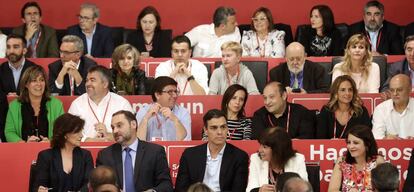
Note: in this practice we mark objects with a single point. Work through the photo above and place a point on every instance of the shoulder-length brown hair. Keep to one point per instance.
(365, 134)
(121, 52)
(281, 144)
(149, 10)
(28, 76)
(269, 18)
(66, 123)
(356, 102)
(366, 60)
(228, 95)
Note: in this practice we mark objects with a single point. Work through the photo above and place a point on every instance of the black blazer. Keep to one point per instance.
(50, 169)
(399, 67)
(390, 42)
(161, 43)
(4, 106)
(102, 42)
(233, 170)
(139, 81)
(313, 76)
(151, 168)
(308, 35)
(409, 182)
(7, 80)
(56, 67)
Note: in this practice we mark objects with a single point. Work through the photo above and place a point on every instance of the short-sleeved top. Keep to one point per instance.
(359, 179)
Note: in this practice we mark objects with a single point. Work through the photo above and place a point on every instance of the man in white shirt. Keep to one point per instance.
(207, 39)
(393, 119)
(191, 75)
(97, 105)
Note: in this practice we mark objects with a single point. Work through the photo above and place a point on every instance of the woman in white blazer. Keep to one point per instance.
(276, 155)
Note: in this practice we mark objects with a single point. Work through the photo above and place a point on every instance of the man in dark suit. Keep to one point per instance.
(298, 74)
(96, 37)
(220, 165)
(67, 76)
(12, 70)
(4, 105)
(384, 36)
(139, 165)
(41, 39)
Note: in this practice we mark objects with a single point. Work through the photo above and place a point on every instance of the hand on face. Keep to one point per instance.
(31, 29)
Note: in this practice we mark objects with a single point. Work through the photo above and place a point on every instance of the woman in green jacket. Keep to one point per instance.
(31, 116)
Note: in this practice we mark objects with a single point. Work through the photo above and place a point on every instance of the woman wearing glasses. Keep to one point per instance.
(263, 40)
(31, 116)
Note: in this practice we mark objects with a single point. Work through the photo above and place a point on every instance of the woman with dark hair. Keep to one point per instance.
(344, 110)
(65, 166)
(263, 40)
(353, 169)
(127, 77)
(232, 104)
(321, 38)
(276, 156)
(358, 64)
(31, 116)
(149, 39)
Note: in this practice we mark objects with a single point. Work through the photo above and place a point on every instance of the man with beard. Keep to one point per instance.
(16, 64)
(164, 119)
(299, 75)
(190, 74)
(97, 105)
(384, 36)
(139, 165)
(41, 39)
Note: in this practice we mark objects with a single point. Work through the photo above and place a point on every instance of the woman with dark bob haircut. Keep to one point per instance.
(353, 169)
(149, 39)
(321, 38)
(276, 156)
(65, 166)
(344, 110)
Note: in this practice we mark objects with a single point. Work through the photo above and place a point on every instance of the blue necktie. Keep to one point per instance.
(129, 172)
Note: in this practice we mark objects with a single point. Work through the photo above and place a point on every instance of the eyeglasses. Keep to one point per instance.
(68, 52)
(171, 92)
(261, 19)
(80, 17)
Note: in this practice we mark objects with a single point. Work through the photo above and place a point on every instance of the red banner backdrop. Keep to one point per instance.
(15, 159)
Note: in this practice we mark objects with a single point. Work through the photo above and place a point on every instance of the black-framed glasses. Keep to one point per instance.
(84, 18)
(68, 52)
(171, 92)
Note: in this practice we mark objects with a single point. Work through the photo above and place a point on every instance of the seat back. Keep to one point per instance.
(259, 70)
(327, 66)
(117, 35)
(60, 33)
(313, 169)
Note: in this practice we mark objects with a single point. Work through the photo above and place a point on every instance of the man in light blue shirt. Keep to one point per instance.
(164, 120)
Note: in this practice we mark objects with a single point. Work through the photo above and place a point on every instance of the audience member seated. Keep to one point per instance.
(67, 75)
(405, 66)
(283, 177)
(263, 36)
(218, 164)
(344, 110)
(4, 106)
(41, 39)
(358, 64)
(190, 74)
(208, 38)
(65, 166)
(385, 178)
(353, 169)
(297, 185)
(383, 35)
(232, 105)
(139, 165)
(275, 156)
(16, 64)
(297, 74)
(393, 118)
(232, 71)
(294, 118)
(321, 38)
(199, 187)
(101, 175)
(96, 37)
(3, 38)
(31, 116)
(127, 77)
(164, 119)
(149, 39)
(100, 104)
(409, 181)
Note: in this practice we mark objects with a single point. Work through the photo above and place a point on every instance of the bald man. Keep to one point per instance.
(393, 118)
(299, 75)
(297, 184)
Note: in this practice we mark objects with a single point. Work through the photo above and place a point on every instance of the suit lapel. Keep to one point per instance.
(286, 76)
(57, 161)
(138, 160)
(202, 162)
(8, 77)
(95, 39)
(117, 152)
(225, 164)
(306, 73)
(76, 167)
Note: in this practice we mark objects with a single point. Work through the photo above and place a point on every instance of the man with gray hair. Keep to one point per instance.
(96, 37)
(385, 178)
(383, 35)
(208, 38)
(67, 75)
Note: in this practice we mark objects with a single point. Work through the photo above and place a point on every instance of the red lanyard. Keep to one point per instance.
(185, 85)
(106, 110)
(378, 39)
(232, 133)
(264, 46)
(72, 86)
(343, 130)
(237, 78)
(287, 122)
